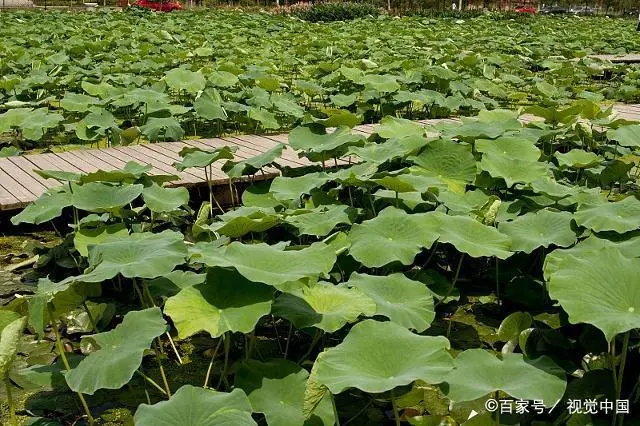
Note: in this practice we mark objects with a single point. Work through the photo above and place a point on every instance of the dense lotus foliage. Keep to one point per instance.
(119, 77)
(433, 269)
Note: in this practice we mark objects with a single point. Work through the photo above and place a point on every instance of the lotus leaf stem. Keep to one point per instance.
(227, 348)
(335, 409)
(12, 408)
(213, 357)
(623, 361)
(395, 407)
(91, 320)
(151, 382)
(453, 283)
(65, 361)
(286, 348)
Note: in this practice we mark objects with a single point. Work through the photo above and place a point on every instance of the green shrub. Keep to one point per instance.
(327, 12)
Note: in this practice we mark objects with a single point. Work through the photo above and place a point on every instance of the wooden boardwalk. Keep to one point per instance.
(20, 185)
(629, 58)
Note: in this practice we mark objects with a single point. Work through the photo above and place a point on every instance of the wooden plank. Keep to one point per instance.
(175, 156)
(288, 155)
(26, 180)
(52, 162)
(29, 168)
(79, 163)
(87, 156)
(7, 200)
(167, 163)
(15, 188)
(131, 154)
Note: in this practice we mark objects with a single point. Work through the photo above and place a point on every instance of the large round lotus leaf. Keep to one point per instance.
(196, 157)
(478, 373)
(549, 187)
(99, 197)
(271, 265)
(11, 326)
(48, 206)
(143, 255)
(509, 146)
(406, 302)
(77, 102)
(239, 222)
(324, 305)
(120, 352)
(628, 244)
(378, 356)
(250, 166)
(473, 238)
(194, 406)
(621, 216)
(226, 301)
(448, 160)
(626, 135)
(292, 188)
(513, 170)
(84, 237)
(393, 127)
(578, 159)
(392, 236)
(180, 79)
(160, 199)
(597, 287)
(321, 220)
(539, 229)
(276, 388)
(385, 83)
(378, 153)
(322, 147)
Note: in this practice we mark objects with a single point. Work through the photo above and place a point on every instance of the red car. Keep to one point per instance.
(526, 9)
(161, 6)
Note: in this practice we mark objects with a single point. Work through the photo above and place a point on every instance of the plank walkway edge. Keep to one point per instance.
(20, 185)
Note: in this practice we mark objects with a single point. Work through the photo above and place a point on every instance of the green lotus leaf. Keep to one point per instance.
(36, 123)
(194, 406)
(265, 118)
(549, 187)
(378, 356)
(511, 327)
(12, 119)
(378, 153)
(324, 305)
(226, 301)
(47, 207)
(539, 229)
(478, 373)
(465, 203)
(209, 106)
(59, 175)
(382, 83)
(276, 388)
(393, 127)
(597, 287)
(448, 161)
(292, 188)
(626, 135)
(130, 173)
(620, 216)
(84, 237)
(337, 118)
(162, 128)
(271, 265)
(322, 147)
(392, 236)
(513, 170)
(100, 197)
(577, 159)
(120, 352)
(321, 220)
(222, 78)
(244, 220)
(405, 302)
(48, 291)
(628, 243)
(101, 119)
(250, 166)
(196, 157)
(143, 255)
(11, 327)
(509, 146)
(180, 79)
(473, 238)
(77, 102)
(160, 199)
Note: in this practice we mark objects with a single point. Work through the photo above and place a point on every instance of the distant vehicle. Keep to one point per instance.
(554, 10)
(526, 9)
(160, 6)
(583, 10)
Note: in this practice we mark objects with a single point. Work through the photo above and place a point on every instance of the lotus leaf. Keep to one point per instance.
(406, 302)
(379, 356)
(160, 199)
(539, 229)
(11, 326)
(194, 406)
(621, 216)
(321, 220)
(473, 238)
(392, 236)
(626, 135)
(120, 352)
(578, 159)
(226, 301)
(196, 157)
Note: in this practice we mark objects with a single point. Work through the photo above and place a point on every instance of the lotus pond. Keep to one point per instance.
(118, 77)
(403, 278)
